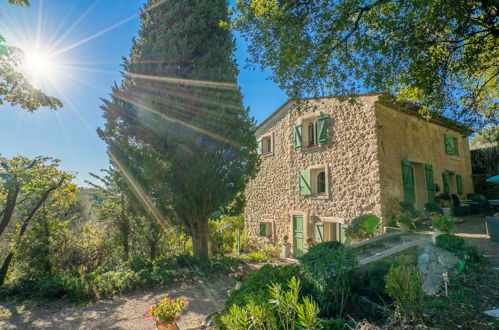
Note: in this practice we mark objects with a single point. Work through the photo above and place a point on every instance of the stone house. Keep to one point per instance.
(324, 161)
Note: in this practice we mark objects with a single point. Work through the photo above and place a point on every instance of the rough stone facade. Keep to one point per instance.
(356, 182)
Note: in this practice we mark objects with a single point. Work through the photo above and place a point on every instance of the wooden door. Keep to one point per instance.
(297, 235)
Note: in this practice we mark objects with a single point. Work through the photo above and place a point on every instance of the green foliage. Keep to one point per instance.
(254, 288)
(137, 273)
(439, 54)
(450, 242)
(266, 252)
(330, 268)
(282, 311)
(441, 222)
(403, 284)
(255, 256)
(229, 234)
(489, 136)
(15, 89)
(363, 227)
(178, 115)
(374, 282)
(338, 323)
(405, 218)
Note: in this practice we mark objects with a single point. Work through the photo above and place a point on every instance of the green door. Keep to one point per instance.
(297, 235)
(408, 182)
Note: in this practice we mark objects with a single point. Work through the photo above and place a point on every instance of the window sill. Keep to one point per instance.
(267, 154)
(312, 149)
(319, 197)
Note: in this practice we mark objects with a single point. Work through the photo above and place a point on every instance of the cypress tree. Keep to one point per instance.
(176, 125)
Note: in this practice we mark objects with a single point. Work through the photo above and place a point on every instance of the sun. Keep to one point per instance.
(39, 66)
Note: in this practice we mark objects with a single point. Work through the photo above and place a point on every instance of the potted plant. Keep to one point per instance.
(445, 201)
(309, 242)
(442, 224)
(238, 275)
(165, 312)
(404, 221)
(286, 247)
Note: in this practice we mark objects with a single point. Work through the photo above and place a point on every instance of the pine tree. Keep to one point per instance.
(176, 124)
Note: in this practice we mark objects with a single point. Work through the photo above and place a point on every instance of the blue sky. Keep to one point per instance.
(91, 38)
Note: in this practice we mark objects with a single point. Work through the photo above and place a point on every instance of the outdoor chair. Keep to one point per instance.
(460, 208)
(474, 202)
(483, 203)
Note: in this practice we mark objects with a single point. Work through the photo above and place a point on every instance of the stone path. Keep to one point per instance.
(125, 312)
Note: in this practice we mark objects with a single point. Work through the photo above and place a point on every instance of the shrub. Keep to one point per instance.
(442, 222)
(404, 286)
(330, 269)
(363, 227)
(374, 281)
(456, 245)
(53, 288)
(450, 242)
(405, 218)
(254, 256)
(282, 311)
(229, 234)
(254, 288)
(338, 323)
(472, 255)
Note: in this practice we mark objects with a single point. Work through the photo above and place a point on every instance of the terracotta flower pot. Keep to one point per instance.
(171, 326)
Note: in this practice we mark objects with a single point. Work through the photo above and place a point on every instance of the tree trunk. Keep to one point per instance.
(6, 263)
(125, 230)
(9, 207)
(5, 267)
(200, 239)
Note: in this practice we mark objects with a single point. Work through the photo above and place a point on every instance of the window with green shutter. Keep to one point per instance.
(459, 184)
(297, 136)
(430, 184)
(321, 182)
(263, 229)
(319, 232)
(449, 144)
(343, 237)
(445, 180)
(304, 183)
(408, 181)
(260, 147)
(322, 129)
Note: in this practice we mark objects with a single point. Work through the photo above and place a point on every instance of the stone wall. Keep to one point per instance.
(406, 136)
(352, 170)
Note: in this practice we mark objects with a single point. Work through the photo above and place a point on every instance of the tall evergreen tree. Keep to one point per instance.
(176, 126)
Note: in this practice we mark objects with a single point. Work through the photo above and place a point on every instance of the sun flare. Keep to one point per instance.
(39, 66)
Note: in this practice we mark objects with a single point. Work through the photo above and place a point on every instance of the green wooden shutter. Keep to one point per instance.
(408, 181)
(343, 237)
(430, 184)
(322, 129)
(459, 184)
(319, 232)
(304, 183)
(449, 144)
(297, 136)
(263, 229)
(445, 180)
(259, 149)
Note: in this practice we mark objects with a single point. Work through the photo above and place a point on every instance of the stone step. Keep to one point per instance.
(396, 249)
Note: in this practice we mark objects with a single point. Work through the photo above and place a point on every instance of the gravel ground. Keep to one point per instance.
(474, 232)
(127, 312)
